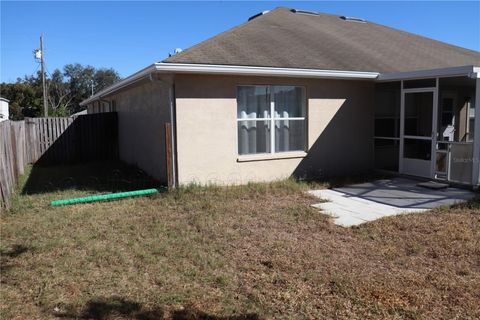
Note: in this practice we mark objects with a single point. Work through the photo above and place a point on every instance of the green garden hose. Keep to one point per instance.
(104, 197)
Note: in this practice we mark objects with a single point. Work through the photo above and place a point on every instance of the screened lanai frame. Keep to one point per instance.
(440, 149)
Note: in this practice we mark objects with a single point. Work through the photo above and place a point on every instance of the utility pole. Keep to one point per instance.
(42, 62)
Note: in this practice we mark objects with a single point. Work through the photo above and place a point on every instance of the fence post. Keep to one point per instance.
(14, 154)
(168, 155)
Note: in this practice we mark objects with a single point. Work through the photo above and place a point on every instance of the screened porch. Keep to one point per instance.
(425, 127)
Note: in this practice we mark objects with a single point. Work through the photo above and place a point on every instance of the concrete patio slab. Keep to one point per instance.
(360, 203)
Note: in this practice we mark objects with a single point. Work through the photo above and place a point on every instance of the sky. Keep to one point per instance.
(128, 36)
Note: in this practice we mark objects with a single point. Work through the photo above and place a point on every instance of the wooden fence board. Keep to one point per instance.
(50, 141)
(12, 158)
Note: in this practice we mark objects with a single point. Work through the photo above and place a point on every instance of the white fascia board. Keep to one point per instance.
(476, 72)
(469, 71)
(163, 67)
(262, 71)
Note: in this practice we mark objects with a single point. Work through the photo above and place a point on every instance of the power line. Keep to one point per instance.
(36, 69)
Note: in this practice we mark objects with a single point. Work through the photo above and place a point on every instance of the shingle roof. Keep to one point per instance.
(281, 38)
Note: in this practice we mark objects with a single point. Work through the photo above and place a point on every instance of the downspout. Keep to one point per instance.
(171, 94)
(105, 101)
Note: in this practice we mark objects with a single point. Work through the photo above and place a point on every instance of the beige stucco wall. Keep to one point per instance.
(340, 129)
(143, 110)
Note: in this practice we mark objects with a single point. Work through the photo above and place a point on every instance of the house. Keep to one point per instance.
(4, 113)
(301, 93)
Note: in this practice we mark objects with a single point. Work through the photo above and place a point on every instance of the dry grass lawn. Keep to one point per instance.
(253, 252)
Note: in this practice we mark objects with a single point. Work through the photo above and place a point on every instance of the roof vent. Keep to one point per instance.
(353, 19)
(258, 15)
(176, 51)
(312, 13)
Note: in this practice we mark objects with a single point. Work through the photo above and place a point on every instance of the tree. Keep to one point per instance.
(59, 95)
(104, 78)
(78, 78)
(81, 79)
(25, 100)
(66, 88)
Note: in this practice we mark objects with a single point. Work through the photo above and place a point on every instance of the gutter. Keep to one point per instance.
(263, 71)
(164, 67)
(171, 68)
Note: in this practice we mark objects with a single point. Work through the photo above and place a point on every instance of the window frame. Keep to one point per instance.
(272, 119)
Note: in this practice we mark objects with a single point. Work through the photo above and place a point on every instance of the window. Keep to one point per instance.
(260, 108)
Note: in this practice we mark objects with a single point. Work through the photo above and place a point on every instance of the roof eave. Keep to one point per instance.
(186, 68)
(262, 71)
(121, 84)
(469, 71)
(167, 67)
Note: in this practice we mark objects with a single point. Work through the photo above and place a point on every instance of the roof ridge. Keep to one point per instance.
(281, 38)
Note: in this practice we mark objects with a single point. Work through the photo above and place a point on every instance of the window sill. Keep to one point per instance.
(272, 156)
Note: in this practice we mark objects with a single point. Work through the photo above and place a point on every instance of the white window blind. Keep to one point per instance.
(261, 108)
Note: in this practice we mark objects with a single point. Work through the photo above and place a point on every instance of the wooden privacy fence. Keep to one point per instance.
(72, 140)
(12, 158)
(49, 141)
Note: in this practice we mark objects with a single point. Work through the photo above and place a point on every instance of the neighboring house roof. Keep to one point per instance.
(3, 99)
(284, 39)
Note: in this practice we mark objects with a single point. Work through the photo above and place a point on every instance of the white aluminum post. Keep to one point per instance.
(434, 129)
(476, 137)
(402, 124)
(272, 121)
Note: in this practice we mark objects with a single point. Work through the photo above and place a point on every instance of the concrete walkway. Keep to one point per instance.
(360, 203)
